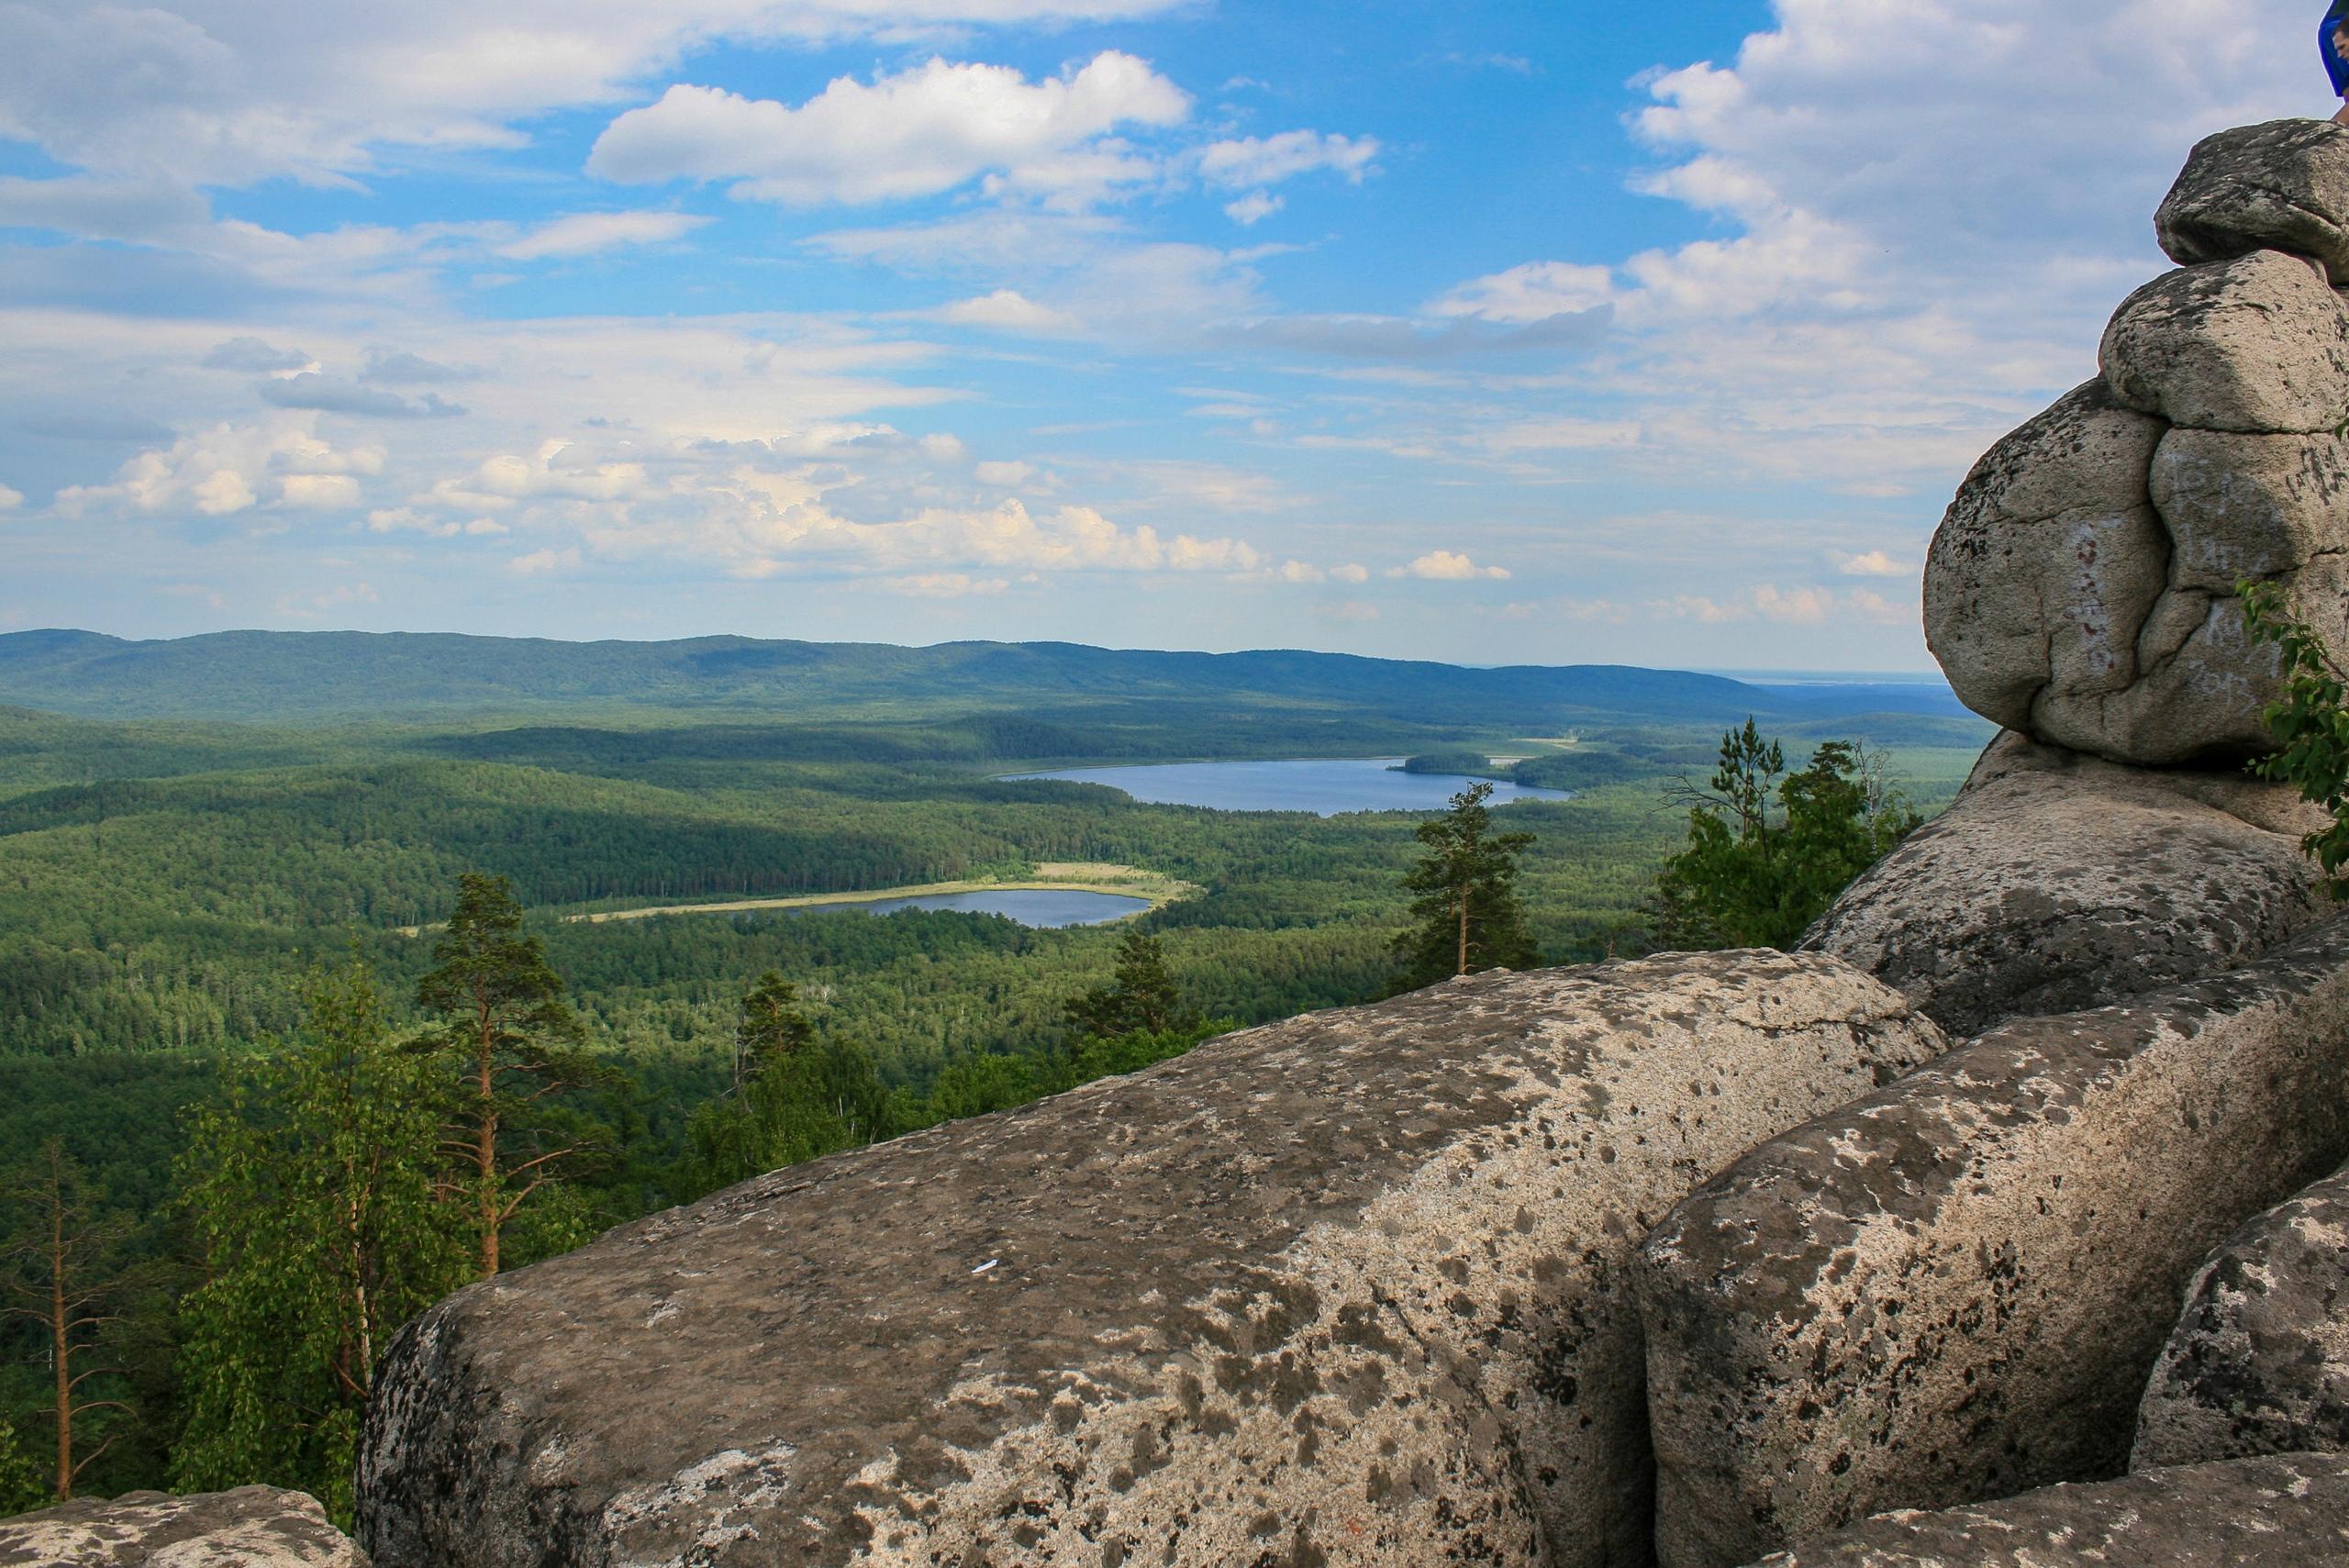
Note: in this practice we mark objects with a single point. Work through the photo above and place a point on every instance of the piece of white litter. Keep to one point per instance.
(986, 1266)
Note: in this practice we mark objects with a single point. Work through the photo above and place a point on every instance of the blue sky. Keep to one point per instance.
(1498, 332)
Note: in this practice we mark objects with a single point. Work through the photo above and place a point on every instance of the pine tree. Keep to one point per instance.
(1470, 917)
(515, 1046)
(68, 1276)
(1766, 854)
(1142, 999)
(771, 1028)
(312, 1195)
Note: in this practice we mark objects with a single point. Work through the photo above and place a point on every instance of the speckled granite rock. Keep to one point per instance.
(2048, 561)
(2279, 186)
(2260, 1360)
(2260, 1513)
(1957, 1288)
(252, 1527)
(1346, 1290)
(2058, 881)
(2258, 345)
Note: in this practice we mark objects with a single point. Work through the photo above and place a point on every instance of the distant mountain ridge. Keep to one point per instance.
(317, 676)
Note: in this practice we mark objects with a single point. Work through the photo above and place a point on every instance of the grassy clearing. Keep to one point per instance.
(1064, 876)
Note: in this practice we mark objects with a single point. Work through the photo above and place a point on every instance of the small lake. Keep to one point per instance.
(1325, 786)
(1044, 909)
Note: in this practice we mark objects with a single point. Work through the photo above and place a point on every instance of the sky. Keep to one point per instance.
(1497, 331)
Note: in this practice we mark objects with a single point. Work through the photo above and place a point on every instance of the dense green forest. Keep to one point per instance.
(172, 887)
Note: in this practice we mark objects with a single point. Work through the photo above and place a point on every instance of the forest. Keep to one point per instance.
(175, 891)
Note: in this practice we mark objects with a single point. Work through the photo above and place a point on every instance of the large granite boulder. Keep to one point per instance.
(2260, 1360)
(2082, 588)
(252, 1527)
(2046, 567)
(2258, 345)
(1957, 1288)
(2057, 882)
(1347, 1290)
(2279, 186)
(2255, 1512)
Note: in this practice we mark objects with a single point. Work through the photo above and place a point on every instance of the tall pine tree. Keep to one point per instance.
(68, 1276)
(1469, 915)
(515, 1046)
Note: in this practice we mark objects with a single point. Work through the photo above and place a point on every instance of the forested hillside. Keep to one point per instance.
(171, 886)
(309, 675)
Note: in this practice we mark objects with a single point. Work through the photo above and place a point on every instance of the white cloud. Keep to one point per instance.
(540, 561)
(230, 469)
(1873, 563)
(10, 500)
(586, 233)
(918, 133)
(1006, 310)
(1252, 208)
(1349, 573)
(232, 92)
(944, 586)
(1250, 160)
(1448, 566)
(1534, 292)
(1007, 475)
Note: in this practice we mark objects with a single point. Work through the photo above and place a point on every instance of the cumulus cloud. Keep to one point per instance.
(586, 233)
(1252, 208)
(1448, 566)
(230, 469)
(923, 131)
(1264, 160)
(228, 92)
(10, 500)
(1006, 310)
(1873, 563)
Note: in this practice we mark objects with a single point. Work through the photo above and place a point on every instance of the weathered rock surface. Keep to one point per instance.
(1956, 1289)
(2260, 1361)
(2081, 588)
(2258, 345)
(252, 1527)
(2058, 881)
(2261, 1513)
(1348, 1290)
(2279, 186)
(2046, 567)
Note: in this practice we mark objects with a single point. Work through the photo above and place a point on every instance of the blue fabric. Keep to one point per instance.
(2334, 66)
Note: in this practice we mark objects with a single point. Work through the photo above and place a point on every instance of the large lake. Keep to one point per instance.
(1046, 908)
(1325, 786)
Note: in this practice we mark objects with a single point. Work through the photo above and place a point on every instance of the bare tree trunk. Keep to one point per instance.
(62, 1356)
(1464, 932)
(485, 1145)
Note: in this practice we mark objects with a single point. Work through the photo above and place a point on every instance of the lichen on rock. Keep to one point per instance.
(2260, 1359)
(1955, 1289)
(1348, 1289)
(2057, 882)
(252, 1527)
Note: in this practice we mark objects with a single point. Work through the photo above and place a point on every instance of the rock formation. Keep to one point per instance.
(1349, 1289)
(254, 1527)
(2058, 881)
(1706, 1255)
(2082, 588)
(2260, 1361)
(2261, 1513)
(1953, 1289)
